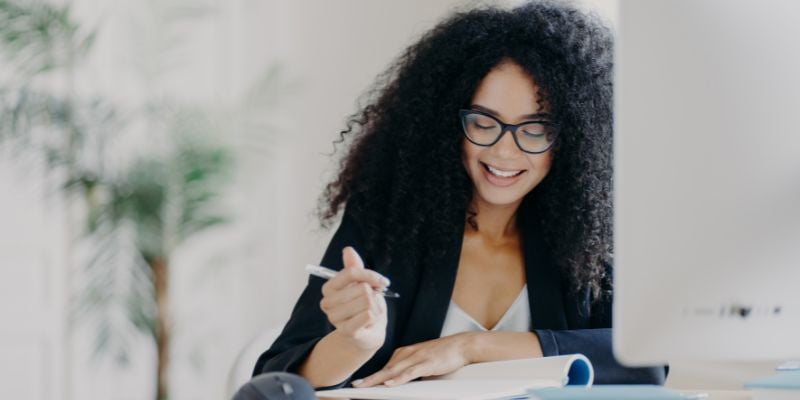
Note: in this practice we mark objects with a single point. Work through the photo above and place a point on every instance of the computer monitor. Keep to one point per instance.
(707, 181)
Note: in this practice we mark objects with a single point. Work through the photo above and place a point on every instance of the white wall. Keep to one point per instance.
(31, 288)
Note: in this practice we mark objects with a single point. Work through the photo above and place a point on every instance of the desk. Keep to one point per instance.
(712, 394)
(722, 380)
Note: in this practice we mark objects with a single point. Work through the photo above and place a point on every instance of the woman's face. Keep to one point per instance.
(510, 95)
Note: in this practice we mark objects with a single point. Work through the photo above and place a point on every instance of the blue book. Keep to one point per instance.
(607, 392)
(783, 385)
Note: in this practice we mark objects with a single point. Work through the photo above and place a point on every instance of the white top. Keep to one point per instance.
(517, 318)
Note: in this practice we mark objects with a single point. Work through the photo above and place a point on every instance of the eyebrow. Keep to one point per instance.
(496, 114)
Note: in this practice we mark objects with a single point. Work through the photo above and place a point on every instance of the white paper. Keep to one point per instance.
(442, 390)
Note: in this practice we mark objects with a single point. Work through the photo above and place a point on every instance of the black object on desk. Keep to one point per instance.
(276, 386)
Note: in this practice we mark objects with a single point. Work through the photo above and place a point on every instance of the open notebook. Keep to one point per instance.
(483, 381)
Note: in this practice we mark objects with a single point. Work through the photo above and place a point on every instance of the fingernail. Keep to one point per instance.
(357, 382)
(390, 382)
(385, 281)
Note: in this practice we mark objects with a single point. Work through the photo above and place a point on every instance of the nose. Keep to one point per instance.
(506, 147)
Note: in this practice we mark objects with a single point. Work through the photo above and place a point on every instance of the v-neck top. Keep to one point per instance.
(517, 318)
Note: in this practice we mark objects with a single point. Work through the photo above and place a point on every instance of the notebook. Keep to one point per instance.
(484, 381)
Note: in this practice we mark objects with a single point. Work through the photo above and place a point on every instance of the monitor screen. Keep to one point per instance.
(707, 181)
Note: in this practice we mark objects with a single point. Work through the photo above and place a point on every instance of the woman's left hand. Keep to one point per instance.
(434, 357)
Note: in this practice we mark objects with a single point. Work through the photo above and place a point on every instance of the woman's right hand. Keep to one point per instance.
(353, 303)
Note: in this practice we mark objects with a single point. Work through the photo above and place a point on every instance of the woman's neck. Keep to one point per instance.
(495, 223)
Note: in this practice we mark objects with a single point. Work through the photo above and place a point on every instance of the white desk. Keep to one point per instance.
(712, 394)
(721, 380)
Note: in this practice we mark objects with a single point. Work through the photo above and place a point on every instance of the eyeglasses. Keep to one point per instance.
(484, 129)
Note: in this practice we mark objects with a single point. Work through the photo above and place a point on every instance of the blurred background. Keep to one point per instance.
(160, 163)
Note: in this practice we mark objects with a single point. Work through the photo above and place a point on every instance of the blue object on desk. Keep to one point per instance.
(607, 392)
(786, 380)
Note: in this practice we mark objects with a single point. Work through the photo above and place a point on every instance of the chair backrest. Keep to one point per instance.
(242, 368)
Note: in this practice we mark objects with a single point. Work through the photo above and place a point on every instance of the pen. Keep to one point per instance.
(327, 273)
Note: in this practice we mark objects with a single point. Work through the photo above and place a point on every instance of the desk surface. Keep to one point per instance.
(712, 394)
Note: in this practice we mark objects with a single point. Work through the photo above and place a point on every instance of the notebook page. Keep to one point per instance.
(547, 368)
(442, 390)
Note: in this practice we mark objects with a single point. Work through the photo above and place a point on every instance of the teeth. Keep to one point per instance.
(501, 173)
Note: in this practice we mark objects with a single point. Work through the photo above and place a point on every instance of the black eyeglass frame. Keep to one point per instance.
(511, 127)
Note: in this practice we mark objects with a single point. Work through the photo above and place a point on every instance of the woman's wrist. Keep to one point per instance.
(495, 346)
(334, 358)
(351, 345)
(473, 343)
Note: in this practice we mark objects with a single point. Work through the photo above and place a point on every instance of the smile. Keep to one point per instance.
(502, 173)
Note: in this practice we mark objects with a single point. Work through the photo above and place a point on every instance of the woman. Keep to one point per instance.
(479, 181)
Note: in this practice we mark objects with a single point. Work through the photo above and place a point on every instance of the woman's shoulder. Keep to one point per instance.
(348, 232)
(351, 221)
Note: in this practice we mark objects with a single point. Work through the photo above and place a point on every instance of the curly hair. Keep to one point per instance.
(402, 176)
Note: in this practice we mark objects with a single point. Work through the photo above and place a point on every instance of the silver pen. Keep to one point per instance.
(327, 273)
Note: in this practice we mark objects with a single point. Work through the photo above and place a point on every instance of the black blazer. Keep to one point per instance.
(564, 322)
